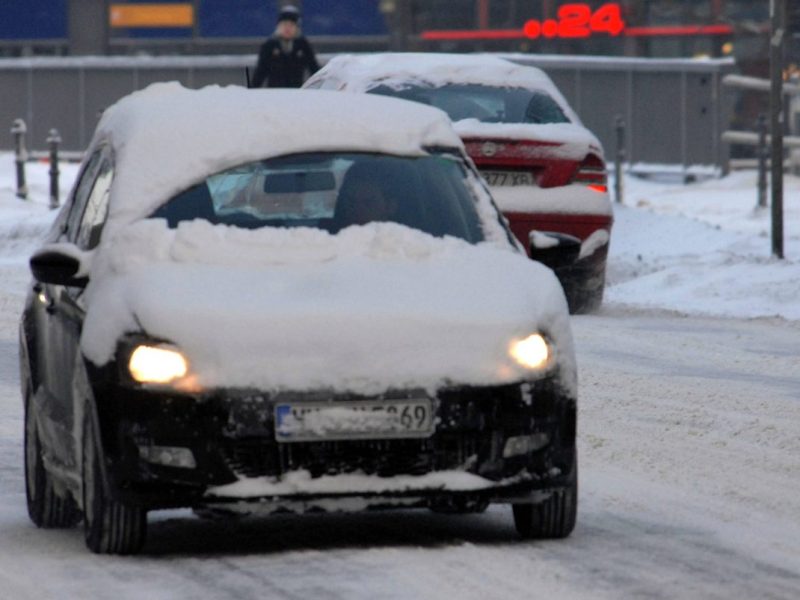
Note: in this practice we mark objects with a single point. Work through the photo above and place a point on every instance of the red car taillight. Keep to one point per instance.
(592, 173)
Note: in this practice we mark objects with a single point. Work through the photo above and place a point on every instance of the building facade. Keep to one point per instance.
(640, 28)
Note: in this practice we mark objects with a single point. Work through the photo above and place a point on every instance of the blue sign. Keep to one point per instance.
(33, 19)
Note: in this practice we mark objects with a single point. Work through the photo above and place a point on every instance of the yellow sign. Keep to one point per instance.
(151, 15)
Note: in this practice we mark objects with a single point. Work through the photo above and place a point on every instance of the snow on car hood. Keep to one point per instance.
(374, 307)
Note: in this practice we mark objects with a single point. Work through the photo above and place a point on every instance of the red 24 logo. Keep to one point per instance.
(578, 21)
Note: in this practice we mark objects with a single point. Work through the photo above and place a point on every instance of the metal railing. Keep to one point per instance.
(673, 109)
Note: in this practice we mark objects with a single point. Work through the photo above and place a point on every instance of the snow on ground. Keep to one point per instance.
(705, 249)
(689, 436)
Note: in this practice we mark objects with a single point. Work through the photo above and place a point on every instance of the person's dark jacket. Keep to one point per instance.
(282, 69)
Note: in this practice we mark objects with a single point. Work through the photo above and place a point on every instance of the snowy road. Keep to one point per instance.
(690, 488)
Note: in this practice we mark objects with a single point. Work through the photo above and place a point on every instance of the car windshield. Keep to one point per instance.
(485, 103)
(332, 191)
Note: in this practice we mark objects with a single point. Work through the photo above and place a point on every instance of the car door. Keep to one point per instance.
(66, 309)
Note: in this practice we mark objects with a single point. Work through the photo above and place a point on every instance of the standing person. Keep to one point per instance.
(286, 55)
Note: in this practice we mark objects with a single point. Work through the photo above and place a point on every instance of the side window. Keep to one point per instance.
(94, 215)
(81, 195)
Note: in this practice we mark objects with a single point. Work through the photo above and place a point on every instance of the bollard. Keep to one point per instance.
(53, 140)
(18, 130)
(762, 151)
(620, 128)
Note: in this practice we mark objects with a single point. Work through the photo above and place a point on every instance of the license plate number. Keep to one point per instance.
(508, 178)
(322, 421)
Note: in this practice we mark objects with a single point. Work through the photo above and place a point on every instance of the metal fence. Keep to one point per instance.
(674, 109)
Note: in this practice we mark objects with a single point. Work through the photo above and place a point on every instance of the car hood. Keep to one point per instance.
(374, 307)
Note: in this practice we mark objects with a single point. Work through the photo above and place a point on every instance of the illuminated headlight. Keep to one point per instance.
(157, 364)
(532, 353)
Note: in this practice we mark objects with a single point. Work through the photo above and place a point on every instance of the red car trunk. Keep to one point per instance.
(537, 158)
(543, 164)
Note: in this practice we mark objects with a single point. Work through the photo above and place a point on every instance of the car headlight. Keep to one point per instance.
(532, 353)
(157, 364)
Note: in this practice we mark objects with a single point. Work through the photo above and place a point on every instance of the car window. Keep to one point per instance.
(81, 196)
(96, 211)
(333, 191)
(484, 103)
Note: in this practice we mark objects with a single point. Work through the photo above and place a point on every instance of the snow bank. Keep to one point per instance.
(373, 307)
(704, 249)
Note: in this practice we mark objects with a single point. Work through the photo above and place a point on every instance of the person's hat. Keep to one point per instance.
(289, 13)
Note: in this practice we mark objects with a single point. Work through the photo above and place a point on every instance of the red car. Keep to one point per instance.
(546, 170)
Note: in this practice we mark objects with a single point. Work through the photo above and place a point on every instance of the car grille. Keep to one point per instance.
(471, 427)
(385, 458)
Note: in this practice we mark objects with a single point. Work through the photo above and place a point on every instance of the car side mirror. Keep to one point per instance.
(554, 250)
(61, 264)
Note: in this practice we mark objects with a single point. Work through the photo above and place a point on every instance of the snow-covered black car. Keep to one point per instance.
(271, 300)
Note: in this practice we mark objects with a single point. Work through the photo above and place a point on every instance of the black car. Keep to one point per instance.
(248, 306)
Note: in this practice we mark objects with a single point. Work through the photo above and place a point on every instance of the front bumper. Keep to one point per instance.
(235, 459)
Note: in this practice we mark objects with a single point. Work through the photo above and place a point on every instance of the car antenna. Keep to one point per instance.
(247, 77)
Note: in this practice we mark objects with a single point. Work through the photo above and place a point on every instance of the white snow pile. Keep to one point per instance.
(360, 73)
(167, 137)
(374, 307)
(705, 249)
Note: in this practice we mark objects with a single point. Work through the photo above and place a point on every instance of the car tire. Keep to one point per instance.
(584, 293)
(553, 518)
(110, 527)
(46, 508)
(585, 301)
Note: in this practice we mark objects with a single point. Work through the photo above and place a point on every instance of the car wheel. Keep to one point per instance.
(46, 508)
(553, 518)
(110, 527)
(584, 293)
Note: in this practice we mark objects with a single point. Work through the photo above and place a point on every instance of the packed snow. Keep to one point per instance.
(689, 421)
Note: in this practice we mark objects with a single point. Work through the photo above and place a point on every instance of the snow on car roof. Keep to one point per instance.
(365, 71)
(166, 137)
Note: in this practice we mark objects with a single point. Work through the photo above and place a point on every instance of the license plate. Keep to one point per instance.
(504, 178)
(323, 421)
